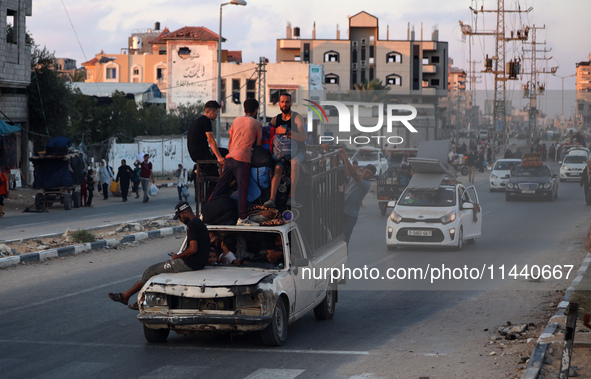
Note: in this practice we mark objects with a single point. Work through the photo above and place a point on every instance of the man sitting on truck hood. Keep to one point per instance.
(194, 256)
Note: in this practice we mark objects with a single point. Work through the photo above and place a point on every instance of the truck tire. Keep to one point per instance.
(460, 244)
(464, 170)
(325, 310)
(76, 199)
(275, 334)
(383, 211)
(67, 201)
(156, 335)
(39, 205)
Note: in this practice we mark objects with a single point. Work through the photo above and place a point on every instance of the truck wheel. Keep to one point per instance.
(39, 202)
(76, 199)
(383, 210)
(156, 335)
(325, 310)
(464, 170)
(67, 201)
(275, 334)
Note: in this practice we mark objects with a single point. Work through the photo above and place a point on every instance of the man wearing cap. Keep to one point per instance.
(200, 139)
(355, 191)
(193, 257)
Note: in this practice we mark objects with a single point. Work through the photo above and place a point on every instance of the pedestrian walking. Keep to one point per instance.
(124, 174)
(182, 180)
(90, 183)
(471, 163)
(146, 175)
(586, 182)
(105, 176)
(4, 190)
(135, 179)
(194, 256)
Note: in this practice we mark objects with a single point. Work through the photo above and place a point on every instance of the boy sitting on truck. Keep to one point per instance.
(227, 256)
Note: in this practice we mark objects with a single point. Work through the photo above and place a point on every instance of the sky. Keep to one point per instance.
(105, 25)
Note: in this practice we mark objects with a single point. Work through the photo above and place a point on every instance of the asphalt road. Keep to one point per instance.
(58, 322)
(103, 212)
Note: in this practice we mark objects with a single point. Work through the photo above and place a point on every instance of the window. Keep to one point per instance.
(362, 41)
(184, 52)
(363, 76)
(331, 56)
(434, 82)
(425, 60)
(393, 57)
(331, 79)
(111, 73)
(363, 53)
(435, 59)
(274, 94)
(393, 80)
(354, 45)
(136, 71)
(162, 52)
(11, 27)
(297, 58)
(159, 73)
(236, 91)
(251, 89)
(371, 38)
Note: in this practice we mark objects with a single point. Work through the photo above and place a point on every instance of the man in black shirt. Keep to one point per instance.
(124, 173)
(193, 257)
(200, 139)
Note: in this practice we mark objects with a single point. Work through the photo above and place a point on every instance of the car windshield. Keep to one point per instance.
(251, 249)
(575, 159)
(365, 156)
(443, 197)
(505, 165)
(531, 171)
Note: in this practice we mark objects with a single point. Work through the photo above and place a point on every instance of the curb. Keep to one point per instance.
(537, 357)
(97, 245)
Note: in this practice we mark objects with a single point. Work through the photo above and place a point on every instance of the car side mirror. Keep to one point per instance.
(301, 262)
(560, 162)
(467, 205)
(391, 204)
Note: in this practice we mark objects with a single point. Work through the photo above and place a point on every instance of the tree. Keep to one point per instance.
(49, 98)
(372, 92)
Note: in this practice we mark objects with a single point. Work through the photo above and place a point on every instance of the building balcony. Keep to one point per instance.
(429, 69)
(290, 44)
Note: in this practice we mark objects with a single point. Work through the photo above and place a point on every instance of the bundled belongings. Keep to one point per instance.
(531, 159)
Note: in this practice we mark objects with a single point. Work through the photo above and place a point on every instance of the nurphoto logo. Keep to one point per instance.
(394, 113)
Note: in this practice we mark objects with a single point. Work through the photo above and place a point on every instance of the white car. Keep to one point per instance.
(374, 156)
(573, 165)
(501, 173)
(445, 216)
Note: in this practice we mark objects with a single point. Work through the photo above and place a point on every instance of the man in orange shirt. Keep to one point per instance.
(245, 133)
(4, 190)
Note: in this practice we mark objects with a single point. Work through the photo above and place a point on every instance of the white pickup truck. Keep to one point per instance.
(258, 295)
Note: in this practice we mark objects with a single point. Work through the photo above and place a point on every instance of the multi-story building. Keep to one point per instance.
(15, 75)
(583, 97)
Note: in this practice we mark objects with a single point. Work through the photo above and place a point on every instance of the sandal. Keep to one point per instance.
(135, 306)
(117, 297)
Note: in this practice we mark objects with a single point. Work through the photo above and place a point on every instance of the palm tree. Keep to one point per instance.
(372, 92)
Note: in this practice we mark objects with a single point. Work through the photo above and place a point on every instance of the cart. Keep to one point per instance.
(59, 177)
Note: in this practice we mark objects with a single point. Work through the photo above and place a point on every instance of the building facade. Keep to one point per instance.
(583, 96)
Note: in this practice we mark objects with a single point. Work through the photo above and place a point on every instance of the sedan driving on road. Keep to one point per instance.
(532, 181)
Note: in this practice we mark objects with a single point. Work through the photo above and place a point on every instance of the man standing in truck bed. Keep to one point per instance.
(288, 145)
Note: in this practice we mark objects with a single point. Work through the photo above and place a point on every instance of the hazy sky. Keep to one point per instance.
(254, 29)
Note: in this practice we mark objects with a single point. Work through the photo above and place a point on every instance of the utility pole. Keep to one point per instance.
(532, 89)
(499, 112)
(262, 92)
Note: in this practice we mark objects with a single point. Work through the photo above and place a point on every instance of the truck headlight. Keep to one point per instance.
(395, 217)
(448, 218)
(154, 299)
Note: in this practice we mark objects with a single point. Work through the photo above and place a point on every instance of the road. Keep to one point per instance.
(103, 212)
(58, 321)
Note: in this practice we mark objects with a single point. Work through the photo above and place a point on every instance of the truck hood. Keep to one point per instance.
(213, 277)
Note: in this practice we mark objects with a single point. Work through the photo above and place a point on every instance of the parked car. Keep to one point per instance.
(374, 156)
(532, 181)
(573, 165)
(501, 173)
(444, 216)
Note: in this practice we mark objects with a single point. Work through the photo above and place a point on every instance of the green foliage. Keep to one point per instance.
(372, 92)
(82, 236)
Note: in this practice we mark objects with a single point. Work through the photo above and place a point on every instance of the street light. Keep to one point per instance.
(218, 132)
(563, 77)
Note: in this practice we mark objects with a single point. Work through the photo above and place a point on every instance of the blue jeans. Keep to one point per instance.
(349, 223)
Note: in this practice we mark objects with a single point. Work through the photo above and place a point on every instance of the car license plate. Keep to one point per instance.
(420, 233)
(528, 191)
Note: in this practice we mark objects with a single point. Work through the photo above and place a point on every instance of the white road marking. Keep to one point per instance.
(29, 224)
(143, 346)
(268, 373)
